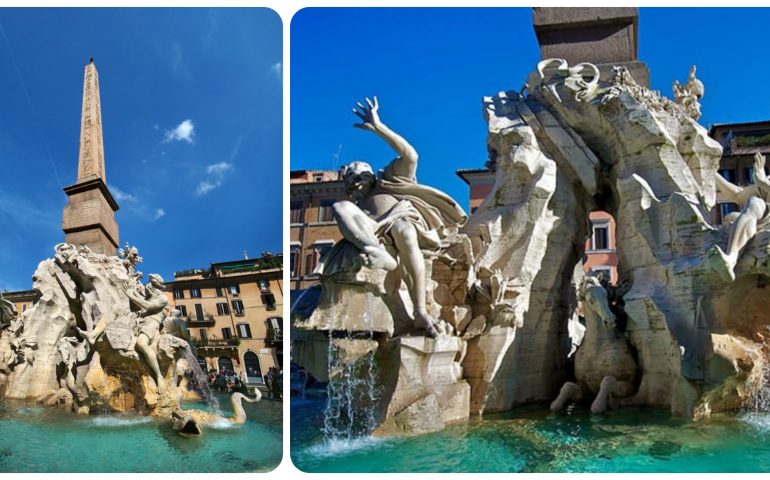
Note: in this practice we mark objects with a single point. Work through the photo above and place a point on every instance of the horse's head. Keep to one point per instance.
(595, 302)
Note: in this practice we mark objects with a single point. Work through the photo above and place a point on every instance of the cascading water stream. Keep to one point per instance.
(352, 391)
(202, 382)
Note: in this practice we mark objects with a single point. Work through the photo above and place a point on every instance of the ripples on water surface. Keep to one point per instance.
(532, 439)
(38, 439)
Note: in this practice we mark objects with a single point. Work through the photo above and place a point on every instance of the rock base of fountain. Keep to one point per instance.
(428, 392)
(97, 339)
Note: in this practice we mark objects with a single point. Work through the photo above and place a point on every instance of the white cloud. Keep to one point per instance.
(185, 131)
(205, 187)
(219, 168)
(177, 63)
(216, 174)
(121, 196)
(132, 203)
(277, 70)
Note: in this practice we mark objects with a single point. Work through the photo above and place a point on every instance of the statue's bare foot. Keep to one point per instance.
(423, 320)
(721, 263)
(378, 257)
(87, 335)
(161, 384)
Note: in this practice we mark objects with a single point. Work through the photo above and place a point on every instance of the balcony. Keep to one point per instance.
(206, 320)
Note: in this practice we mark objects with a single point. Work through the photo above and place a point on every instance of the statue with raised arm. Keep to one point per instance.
(153, 309)
(391, 219)
(753, 200)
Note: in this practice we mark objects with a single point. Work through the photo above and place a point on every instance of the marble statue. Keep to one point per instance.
(753, 200)
(153, 308)
(604, 365)
(96, 337)
(391, 219)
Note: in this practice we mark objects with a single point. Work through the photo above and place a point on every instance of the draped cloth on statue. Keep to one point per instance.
(433, 213)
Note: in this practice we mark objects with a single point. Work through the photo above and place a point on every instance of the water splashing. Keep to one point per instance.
(201, 382)
(352, 391)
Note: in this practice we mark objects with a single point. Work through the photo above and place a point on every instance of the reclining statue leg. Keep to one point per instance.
(601, 401)
(359, 229)
(405, 237)
(143, 344)
(570, 391)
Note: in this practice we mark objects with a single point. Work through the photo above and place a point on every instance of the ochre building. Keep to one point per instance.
(234, 312)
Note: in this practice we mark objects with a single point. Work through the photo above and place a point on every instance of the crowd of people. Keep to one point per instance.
(227, 381)
(274, 383)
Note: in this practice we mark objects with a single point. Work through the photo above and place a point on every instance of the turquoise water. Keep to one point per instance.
(43, 439)
(532, 439)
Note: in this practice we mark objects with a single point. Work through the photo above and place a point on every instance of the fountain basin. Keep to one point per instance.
(33, 439)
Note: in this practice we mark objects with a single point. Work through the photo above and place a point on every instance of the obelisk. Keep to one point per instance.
(89, 217)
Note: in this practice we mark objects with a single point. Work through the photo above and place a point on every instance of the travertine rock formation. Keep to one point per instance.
(688, 320)
(96, 339)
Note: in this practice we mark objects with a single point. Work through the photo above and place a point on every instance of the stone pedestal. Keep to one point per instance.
(426, 391)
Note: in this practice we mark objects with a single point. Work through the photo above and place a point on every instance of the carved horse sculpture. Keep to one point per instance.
(604, 364)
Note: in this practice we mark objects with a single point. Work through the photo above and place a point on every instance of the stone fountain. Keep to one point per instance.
(462, 317)
(97, 340)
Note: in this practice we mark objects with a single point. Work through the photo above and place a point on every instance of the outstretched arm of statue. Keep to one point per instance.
(760, 176)
(734, 193)
(406, 164)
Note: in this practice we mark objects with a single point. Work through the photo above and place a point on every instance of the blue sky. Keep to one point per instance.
(192, 117)
(431, 67)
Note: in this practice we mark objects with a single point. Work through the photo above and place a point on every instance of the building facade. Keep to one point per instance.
(740, 142)
(601, 255)
(313, 229)
(234, 311)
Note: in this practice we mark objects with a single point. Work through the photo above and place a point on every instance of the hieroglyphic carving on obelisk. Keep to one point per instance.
(89, 217)
(91, 154)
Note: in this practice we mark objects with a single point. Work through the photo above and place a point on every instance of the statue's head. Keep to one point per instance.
(359, 179)
(156, 281)
(65, 251)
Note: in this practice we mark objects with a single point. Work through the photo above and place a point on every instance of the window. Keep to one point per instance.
(198, 312)
(728, 208)
(219, 292)
(274, 327)
(600, 240)
(182, 310)
(178, 293)
(226, 333)
(223, 309)
(238, 307)
(318, 177)
(294, 261)
(195, 293)
(319, 250)
(234, 289)
(749, 173)
(244, 331)
(728, 174)
(264, 285)
(325, 210)
(603, 273)
(268, 299)
(24, 308)
(295, 215)
(202, 334)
